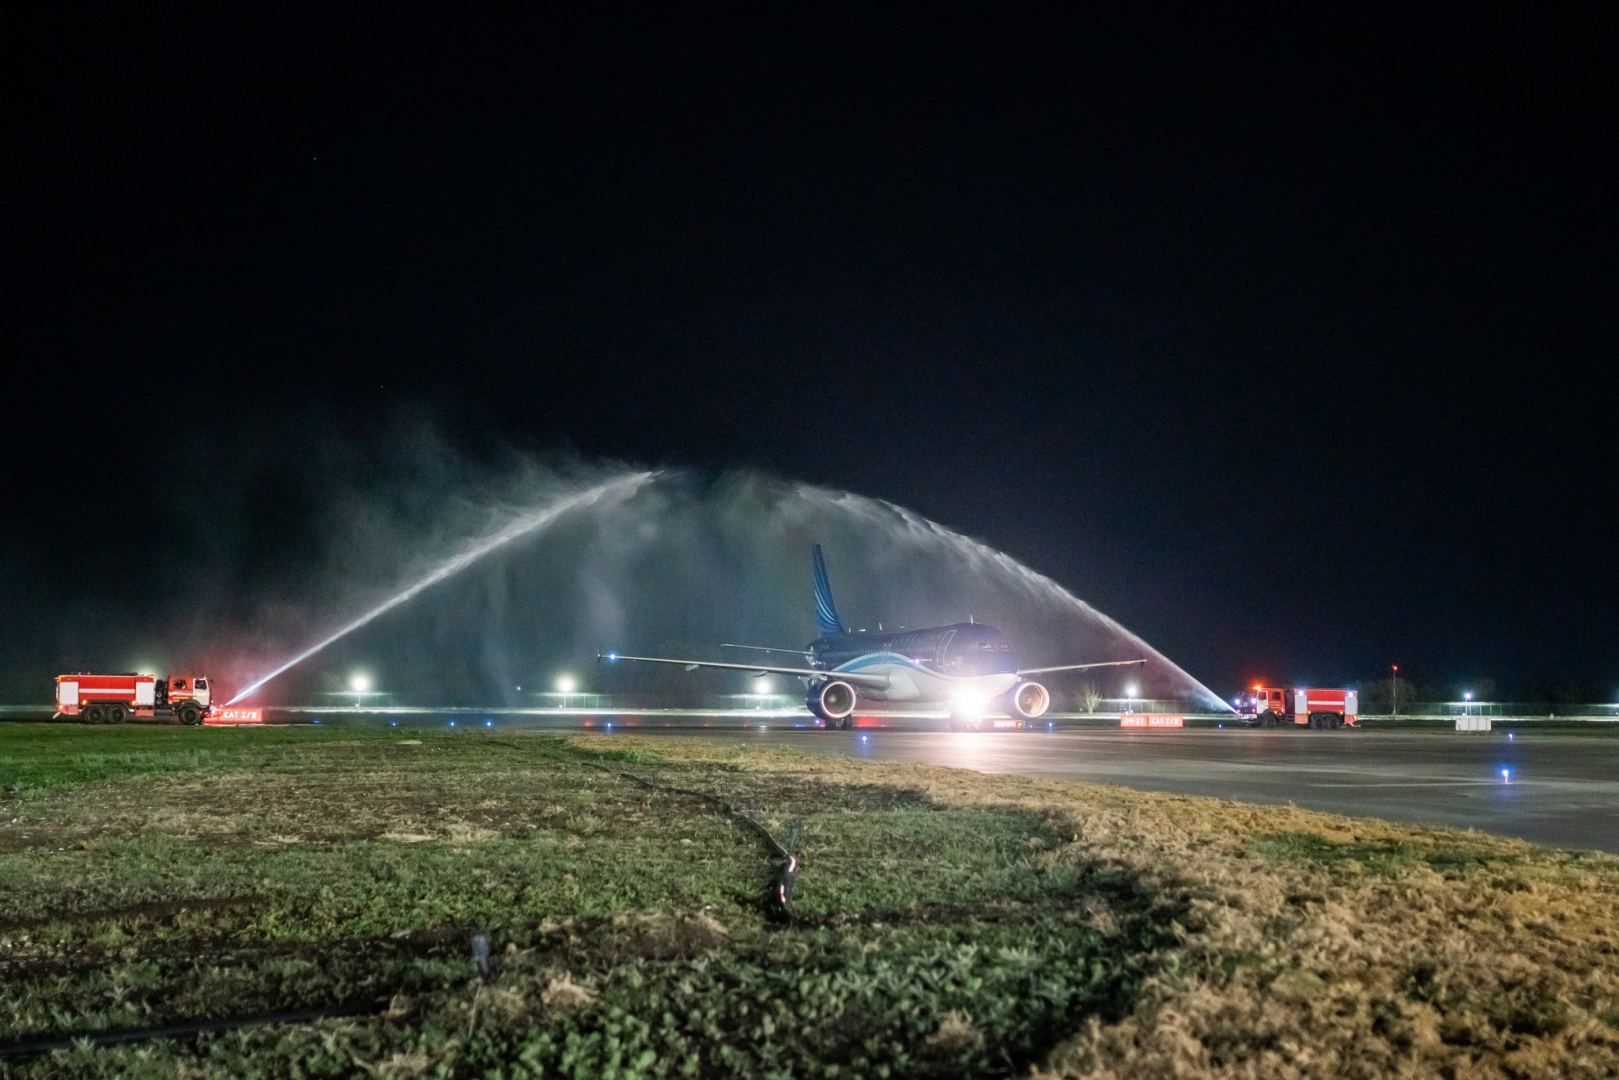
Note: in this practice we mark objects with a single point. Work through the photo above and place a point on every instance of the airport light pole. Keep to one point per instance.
(1394, 689)
(1467, 703)
(565, 686)
(360, 683)
(1130, 698)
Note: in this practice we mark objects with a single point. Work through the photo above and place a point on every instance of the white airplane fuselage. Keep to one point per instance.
(908, 680)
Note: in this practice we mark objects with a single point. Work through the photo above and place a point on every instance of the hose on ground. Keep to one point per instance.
(35, 1046)
(778, 896)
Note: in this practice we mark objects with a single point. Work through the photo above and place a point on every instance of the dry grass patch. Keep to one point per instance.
(1317, 945)
(563, 993)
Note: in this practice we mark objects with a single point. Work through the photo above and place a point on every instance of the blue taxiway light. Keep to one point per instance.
(1506, 776)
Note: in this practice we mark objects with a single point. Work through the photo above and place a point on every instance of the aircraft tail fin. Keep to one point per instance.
(826, 612)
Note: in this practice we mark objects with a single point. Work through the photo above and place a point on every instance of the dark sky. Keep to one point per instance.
(1286, 342)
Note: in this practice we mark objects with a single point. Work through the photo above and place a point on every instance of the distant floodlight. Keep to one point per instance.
(360, 682)
(566, 684)
(1130, 691)
(1468, 696)
(762, 686)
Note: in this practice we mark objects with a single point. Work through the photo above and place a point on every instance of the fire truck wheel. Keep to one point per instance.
(92, 715)
(190, 715)
(117, 714)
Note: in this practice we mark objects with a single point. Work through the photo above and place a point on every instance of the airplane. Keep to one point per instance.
(968, 666)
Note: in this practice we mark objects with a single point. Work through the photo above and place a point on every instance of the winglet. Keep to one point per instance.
(826, 612)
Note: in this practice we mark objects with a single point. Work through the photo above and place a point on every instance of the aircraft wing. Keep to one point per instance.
(1078, 667)
(878, 682)
(764, 648)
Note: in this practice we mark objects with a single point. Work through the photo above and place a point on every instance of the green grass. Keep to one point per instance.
(151, 876)
(947, 923)
(37, 757)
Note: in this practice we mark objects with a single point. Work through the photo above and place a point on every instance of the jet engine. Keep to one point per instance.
(832, 700)
(1028, 700)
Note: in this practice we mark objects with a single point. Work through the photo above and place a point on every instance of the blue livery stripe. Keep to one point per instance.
(826, 612)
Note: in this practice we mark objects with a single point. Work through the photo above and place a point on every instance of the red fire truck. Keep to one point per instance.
(112, 699)
(1323, 710)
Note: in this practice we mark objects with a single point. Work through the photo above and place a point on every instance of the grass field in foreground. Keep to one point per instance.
(946, 922)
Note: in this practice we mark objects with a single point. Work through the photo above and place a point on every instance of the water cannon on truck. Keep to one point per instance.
(112, 699)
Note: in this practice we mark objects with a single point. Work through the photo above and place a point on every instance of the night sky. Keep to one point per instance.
(1287, 343)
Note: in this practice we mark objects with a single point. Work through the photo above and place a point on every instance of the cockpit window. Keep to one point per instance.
(202, 684)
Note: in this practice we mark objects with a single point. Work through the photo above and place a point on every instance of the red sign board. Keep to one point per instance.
(1152, 720)
(235, 716)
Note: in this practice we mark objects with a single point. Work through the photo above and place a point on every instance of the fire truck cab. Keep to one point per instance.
(1322, 710)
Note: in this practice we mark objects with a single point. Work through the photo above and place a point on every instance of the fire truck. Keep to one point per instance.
(1322, 710)
(112, 699)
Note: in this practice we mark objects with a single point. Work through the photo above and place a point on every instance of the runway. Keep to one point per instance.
(1559, 789)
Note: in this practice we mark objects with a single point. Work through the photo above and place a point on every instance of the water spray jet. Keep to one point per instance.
(980, 555)
(524, 525)
(671, 536)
